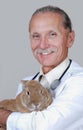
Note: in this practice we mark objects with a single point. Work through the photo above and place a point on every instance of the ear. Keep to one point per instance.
(24, 83)
(71, 38)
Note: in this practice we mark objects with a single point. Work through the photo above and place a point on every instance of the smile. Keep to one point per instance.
(46, 51)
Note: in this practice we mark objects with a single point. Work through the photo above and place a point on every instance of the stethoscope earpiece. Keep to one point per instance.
(54, 84)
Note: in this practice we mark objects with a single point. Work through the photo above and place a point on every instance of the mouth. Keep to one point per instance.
(46, 51)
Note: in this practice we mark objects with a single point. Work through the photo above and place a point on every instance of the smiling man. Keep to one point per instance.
(51, 36)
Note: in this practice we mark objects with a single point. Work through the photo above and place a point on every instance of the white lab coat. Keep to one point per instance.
(66, 111)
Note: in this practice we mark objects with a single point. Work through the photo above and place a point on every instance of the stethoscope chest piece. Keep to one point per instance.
(54, 84)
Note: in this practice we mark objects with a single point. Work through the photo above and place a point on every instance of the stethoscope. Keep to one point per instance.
(56, 82)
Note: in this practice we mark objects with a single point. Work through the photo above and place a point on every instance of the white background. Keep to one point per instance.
(16, 59)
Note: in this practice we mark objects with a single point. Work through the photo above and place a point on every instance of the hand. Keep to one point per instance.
(3, 116)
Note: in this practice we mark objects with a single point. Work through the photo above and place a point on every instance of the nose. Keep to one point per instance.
(37, 106)
(43, 42)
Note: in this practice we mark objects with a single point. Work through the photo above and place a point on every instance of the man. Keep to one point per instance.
(51, 36)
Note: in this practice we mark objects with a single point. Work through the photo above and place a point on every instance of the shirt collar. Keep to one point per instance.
(56, 72)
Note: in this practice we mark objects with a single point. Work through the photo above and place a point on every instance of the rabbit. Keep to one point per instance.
(34, 97)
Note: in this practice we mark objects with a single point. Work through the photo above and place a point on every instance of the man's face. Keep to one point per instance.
(49, 39)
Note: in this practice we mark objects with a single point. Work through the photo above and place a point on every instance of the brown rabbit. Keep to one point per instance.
(34, 97)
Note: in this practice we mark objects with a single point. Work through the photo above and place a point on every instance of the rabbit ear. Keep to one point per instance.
(24, 83)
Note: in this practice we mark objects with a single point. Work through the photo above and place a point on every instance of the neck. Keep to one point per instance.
(46, 69)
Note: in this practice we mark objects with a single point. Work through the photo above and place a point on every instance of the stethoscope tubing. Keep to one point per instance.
(56, 80)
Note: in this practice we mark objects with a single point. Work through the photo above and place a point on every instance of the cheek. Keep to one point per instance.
(34, 45)
(61, 52)
(33, 48)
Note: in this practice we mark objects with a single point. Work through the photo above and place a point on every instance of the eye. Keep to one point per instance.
(41, 91)
(53, 34)
(36, 36)
(27, 93)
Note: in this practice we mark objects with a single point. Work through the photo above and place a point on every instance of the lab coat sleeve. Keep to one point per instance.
(66, 108)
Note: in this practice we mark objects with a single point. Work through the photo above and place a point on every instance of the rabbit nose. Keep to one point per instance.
(37, 106)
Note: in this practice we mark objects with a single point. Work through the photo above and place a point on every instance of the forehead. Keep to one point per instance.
(45, 19)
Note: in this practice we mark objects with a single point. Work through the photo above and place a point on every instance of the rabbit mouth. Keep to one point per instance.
(33, 107)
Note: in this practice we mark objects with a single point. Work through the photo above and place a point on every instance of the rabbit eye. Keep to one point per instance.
(41, 91)
(27, 93)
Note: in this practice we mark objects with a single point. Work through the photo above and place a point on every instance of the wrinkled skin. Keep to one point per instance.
(47, 31)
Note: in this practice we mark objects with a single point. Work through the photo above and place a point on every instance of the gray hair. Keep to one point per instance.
(66, 19)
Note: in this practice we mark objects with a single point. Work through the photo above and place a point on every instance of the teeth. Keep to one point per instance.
(47, 51)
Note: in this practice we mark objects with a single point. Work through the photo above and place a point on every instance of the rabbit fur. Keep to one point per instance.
(34, 97)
